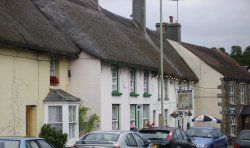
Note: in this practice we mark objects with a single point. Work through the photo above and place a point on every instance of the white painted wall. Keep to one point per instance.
(205, 96)
(91, 80)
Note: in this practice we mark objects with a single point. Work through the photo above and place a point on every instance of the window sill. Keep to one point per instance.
(133, 94)
(147, 94)
(116, 93)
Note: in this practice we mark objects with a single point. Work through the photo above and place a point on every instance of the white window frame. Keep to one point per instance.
(242, 93)
(232, 125)
(145, 116)
(115, 116)
(232, 93)
(132, 80)
(146, 82)
(50, 119)
(73, 122)
(115, 78)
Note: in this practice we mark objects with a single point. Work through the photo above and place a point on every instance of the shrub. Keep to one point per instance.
(52, 135)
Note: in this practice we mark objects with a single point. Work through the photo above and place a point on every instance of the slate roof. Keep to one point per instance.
(58, 95)
(220, 62)
(71, 26)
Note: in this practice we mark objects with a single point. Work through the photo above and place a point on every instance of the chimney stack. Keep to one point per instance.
(171, 30)
(139, 13)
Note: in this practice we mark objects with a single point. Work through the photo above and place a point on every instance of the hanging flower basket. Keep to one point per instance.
(174, 114)
(189, 113)
(54, 80)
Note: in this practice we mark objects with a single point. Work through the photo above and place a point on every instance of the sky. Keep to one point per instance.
(209, 23)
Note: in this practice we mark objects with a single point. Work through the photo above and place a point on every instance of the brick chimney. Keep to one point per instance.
(171, 30)
(139, 13)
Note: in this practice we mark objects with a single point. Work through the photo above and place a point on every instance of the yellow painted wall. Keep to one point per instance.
(24, 80)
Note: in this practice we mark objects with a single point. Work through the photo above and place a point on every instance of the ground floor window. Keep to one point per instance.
(145, 118)
(72, 121)
(55, 117)
(132, 115)
(115, 117)
(232, 125)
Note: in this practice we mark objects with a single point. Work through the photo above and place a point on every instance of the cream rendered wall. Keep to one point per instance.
(206, 101)
(85, 81)
(24, 78)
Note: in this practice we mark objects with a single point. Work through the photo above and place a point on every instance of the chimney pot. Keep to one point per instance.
(171, 19)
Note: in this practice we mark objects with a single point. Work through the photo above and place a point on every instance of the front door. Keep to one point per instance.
(30, 120)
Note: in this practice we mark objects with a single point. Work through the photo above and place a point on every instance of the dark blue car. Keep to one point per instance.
(208, 137)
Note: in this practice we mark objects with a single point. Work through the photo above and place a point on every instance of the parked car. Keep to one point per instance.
(111, 139)
(167, 137)
(243, 139)
(208, 137)
(24, 142)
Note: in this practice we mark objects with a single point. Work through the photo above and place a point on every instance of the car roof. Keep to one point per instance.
(158, 129)
(204, 127)
(18, 138)
(112, 132)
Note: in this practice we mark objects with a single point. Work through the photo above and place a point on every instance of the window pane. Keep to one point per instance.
(33, 144)
(44, 144)
(132, 80)
(114, 70)
(72, 113)
(115, 117)
(72, 129)
(145, 81)
(55, 113)
(9, 143)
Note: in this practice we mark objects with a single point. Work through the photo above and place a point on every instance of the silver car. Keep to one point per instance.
(111, 139)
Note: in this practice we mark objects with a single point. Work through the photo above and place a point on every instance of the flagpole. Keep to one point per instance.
(161, 116)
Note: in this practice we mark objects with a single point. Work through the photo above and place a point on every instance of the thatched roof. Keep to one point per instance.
(58, 95)
(220, 62)
(96, 31)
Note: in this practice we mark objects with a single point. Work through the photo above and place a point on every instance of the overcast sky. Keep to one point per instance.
(209, 23)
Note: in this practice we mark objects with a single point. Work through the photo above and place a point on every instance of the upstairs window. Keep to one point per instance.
(132, 80)
(242, 93)
(114, 70)
(232, 93)
(146, 79)
(54, 71)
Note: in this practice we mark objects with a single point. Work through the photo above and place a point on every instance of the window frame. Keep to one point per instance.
(73, 135)
(146, 84)
(242, 93)
(145, 114)
(133, 112)
(115, 84)
(51, 123)
(116, 121)
(232, 89)
(233, 125)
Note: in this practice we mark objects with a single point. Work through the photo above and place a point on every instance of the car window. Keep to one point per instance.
(215, 133)
(32, 144)
(101, 137)
(245, 135)
(140, 141)
(200, 132)
(178, 135)
(130, 140)
(219, 132)
(185, 136)
(156, 134)
(44, 144)
(9, 143)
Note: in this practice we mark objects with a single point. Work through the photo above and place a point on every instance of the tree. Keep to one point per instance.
(246, 56)
(87, 122)
(236, 54)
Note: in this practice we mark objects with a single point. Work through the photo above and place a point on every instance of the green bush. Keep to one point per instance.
(52, 135)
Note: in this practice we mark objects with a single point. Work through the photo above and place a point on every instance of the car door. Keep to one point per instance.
(217, 142)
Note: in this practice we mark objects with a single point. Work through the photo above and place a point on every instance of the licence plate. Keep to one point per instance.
(154, 146)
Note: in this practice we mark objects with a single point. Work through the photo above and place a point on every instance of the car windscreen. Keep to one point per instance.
(9, 143)
(200, 132)
(153, 134)
(100, 137)
(245, 135)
